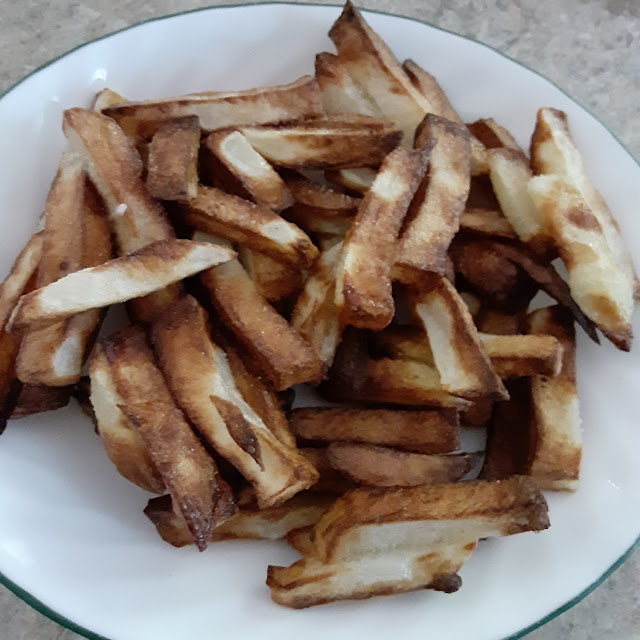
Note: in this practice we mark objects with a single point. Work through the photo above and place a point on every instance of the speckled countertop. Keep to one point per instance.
(590, 48)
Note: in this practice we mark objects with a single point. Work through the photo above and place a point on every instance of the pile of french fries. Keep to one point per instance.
(348, 232)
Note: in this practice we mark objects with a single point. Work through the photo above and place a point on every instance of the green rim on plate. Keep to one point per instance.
(42, 608)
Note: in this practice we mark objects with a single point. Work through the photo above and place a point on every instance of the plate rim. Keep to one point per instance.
(65, 622)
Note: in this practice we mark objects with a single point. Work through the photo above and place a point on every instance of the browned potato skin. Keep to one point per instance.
(385, 467)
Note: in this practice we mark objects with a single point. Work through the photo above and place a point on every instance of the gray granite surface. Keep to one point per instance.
(590, 48)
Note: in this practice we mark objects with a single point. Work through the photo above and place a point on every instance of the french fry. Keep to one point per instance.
(277, 349)
(499, 323)
(325, 143)
(250, 172)
(76, 235)
(602, 290)
(274, 280)
(487, 222)
(358, 180)
(377, 541)
(403, 342)
(434, 216)
(115, 168)
(492, 135)
(189, 473)
(106, 98)
(554, 462)
(377, 466)
(122, 442)
(463, 365)
(207, 391)
(315, 315)
(339, 92)
(553, 151)
(429, 431)
(216, 110)
(38, 398)
(258, 228)
(510, 174)
(149, 269)
(249, 523)
(173, 160)
(363, 283)
(331, 482)
(375, 70)
(10, 386)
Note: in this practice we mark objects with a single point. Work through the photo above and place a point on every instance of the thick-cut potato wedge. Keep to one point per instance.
(492, 135)
(275, 347)
(340, 94)
(315, 315)
(434, 216)
(404, 342)
(358, 180)
(249, 523)
(325, 143)
(106, 98)
(310, 582)
(376, 466)
(122, 442)
(554, 462)
(487, 222)
(216, 110)
(22, 271)
(274, 280)
(115, 168)
(375, 70)
(199, 376)
(462, 363)
(422, 431)
(76, 235)
(519, 356)
(388, 540)
(363, 283)
(553, 151)
(172, 166)
(253, 175)
(431, 91)
(510, 174)
(189, 473)
(331, 482)
(238, 220)
(600, 287)
(151, 268)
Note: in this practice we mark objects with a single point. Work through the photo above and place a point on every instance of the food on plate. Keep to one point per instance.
(327, 284)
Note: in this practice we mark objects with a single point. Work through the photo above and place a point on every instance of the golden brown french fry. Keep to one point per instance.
(500, 323)
(363, 282)
(492, 135)
(114, 166)
(172, 166)
(273, 280)
(10, 386)
(600, 287)
(275, 347)
(377, 466)
(487, 222)
(434, 216)
(325, 143)
(38, 398)
(252, 174)
(315, 315)
(375, 70)
(510, 174)
(358, 180)
(249, 523)
(403, 342)
(463, 365)
(376, 541)
(429, 431)
(189, 473)
(122, 442)
(216, 110)
(554, 462)
(553, 151)
(331, 482)
(221, 214)
(340, 94)
(106, 98)
(199, 376)
(149, 269)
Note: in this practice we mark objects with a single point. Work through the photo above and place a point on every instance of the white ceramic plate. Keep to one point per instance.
(73, 540)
